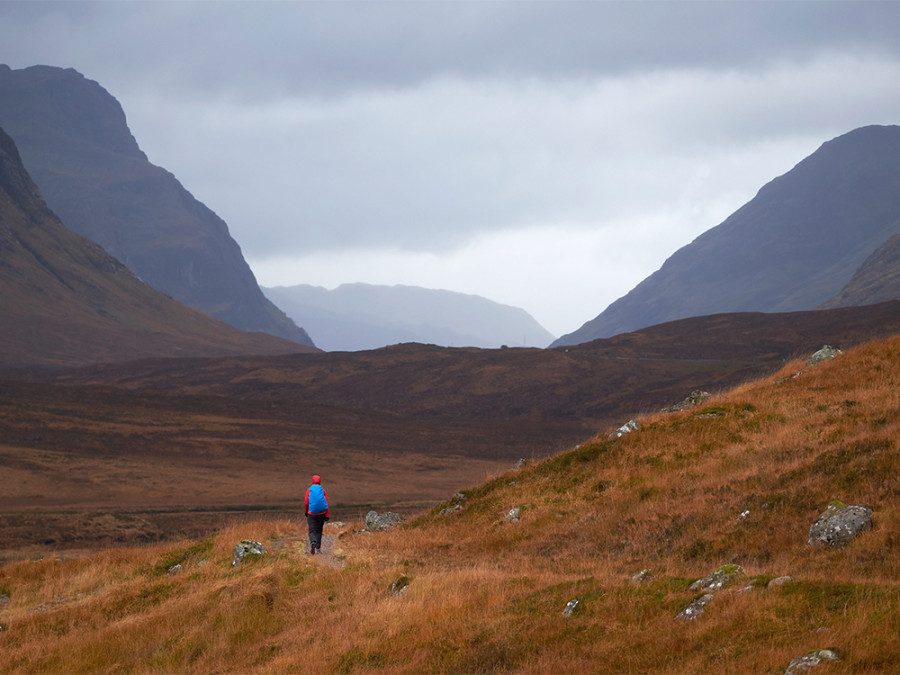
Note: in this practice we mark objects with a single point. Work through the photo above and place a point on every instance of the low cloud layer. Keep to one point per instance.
(548, 155)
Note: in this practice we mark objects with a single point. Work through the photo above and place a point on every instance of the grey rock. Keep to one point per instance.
(377, 522)
(642, 577)
(452, 509)
(826, 353)
(4, 599)
(520, 463)
(839, 524)
(695, 609)
(803, 663)
(627, 428)
(780, 581)
(244, 548)
(719, 579)
(570, 607)
(174, 569)
(513, 515)
(696, 398)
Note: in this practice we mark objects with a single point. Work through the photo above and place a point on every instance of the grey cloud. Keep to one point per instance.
(271, 49)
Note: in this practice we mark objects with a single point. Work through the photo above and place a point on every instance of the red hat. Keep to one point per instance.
(316, 480)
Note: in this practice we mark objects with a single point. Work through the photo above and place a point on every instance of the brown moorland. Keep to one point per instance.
(735, 481)
(157, 449)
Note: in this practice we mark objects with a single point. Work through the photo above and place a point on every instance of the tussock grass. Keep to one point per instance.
(737, 480)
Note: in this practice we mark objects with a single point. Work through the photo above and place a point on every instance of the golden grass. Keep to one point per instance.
(738, 479)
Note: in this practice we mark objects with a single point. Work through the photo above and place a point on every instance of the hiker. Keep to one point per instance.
(315, 505)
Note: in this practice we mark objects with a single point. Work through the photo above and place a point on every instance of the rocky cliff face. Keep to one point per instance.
(66, 301)
(76, 145)
(791, 248)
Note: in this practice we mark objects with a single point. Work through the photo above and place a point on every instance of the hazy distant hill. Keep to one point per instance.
(76, 145)
(792, 247)
(65, 301)
(362, 316)
(877, 280)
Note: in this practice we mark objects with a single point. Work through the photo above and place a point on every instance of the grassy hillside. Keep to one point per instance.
(737, 480)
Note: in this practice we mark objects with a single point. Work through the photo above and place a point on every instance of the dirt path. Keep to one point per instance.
(298, 546)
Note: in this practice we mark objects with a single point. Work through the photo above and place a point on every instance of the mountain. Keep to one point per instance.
(877, 280)
(65, 301)
(76, 145)
(796, 244)
(362, 316)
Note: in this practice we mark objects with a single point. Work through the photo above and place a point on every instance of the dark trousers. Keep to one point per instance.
(316, 522)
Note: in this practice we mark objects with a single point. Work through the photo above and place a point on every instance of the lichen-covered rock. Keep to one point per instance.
(513, 515)
(570, 607)
(826, 353)
(695, 609)
(779, 581)
(722, 577)
(803, 663)
(839, 524)
(627, 428)
(244, 548)
(376, 522)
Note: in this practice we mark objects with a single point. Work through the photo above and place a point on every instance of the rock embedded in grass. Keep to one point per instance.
(695, 609)
(839, 524)
(245, 548)
(376, 522)
(826, 353)
(803, 663)
(719, 579)
(627, 428)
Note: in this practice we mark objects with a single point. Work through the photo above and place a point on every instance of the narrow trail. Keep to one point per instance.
(298, 546)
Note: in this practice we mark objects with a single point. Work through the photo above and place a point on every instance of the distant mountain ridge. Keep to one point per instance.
(877, 279)
(67, 302)
(794, 246)
(74, 140)
(360, 316)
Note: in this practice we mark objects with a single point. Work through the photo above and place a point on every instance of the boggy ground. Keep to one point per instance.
(737, 480)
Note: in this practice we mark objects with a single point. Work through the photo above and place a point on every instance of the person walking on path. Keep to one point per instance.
(315, 505)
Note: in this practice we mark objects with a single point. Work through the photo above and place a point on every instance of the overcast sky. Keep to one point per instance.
(548, 155)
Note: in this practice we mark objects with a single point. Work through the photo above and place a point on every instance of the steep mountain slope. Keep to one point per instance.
(362, 316)
(792, 247)
(877, 280)
(582, 563)
(65, 301)
(76, 145)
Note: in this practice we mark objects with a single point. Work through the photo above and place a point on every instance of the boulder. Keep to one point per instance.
(513, 515)
(695, 609)
(244, 548)
(719, 579)
(627, 428)
(570, 608)
(376, 522)
(803, 663)
(826, 353)
(780, 581)
(839, 524)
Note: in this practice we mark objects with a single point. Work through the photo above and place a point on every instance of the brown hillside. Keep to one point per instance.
(161, 447)
(65, 301)
(734, 484)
